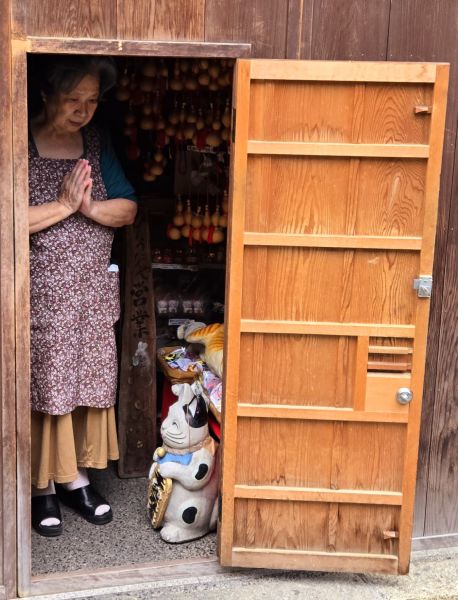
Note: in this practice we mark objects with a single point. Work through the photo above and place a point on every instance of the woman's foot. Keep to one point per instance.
(46, 515)
(86, 502)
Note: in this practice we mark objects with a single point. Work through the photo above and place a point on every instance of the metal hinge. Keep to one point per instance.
(424, 285)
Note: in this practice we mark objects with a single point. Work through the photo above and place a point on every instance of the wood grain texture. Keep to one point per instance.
(92, 579)
(330, 112)
(137, 385)
(161, 20)
(348, 286)
(75, 18)
(7, 321)
(316, 374)
(114, 47)
(299, 29)
(310, 413)
(270, 524)
(303, 560)
(350, 29)
(341, 70)
(22, 317)
(261, 22)
(412, 37)
(314, 454)
(233, 296)
(331, 196)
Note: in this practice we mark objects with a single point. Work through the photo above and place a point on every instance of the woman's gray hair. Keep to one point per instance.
(63, 73)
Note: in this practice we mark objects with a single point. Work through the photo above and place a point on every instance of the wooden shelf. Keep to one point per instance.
(197, 267)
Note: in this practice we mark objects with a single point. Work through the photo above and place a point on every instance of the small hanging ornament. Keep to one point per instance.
(226, 118)
(178, 219)
(215, 217)
(206, 221)
(188, 212)
(196, 220)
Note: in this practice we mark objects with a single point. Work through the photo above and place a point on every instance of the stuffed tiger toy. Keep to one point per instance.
(212, 337)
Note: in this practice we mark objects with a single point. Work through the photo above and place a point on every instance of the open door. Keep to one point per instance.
(335, 179)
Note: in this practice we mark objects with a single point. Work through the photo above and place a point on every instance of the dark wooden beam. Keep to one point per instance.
(136, 47)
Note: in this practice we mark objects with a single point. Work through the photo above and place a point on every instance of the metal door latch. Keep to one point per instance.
(424, 286)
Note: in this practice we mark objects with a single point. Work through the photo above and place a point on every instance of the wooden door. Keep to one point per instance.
(335, 178)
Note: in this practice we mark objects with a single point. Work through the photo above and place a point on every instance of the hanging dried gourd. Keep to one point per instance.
(178, 219)
(218, 236)
(222, 221)
(215, 217)
(196, 220)
(214, 70)
(206, 221)
(225, 202)
(188, 212)
(213, 139)
(191, 117)
(184, 66)
(226, 118)
(149, 69)
(225, 134)
(216, 123)
(176, 83)
(203, 79)
(173, 233)
(174, 116)
(200, 123)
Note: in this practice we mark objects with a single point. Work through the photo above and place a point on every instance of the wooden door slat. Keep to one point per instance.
(322, 70)
(289, 493)
(304, 560)
(327, 328)
(323, 413)
(338, 149)
(389, 350)
(373, 242)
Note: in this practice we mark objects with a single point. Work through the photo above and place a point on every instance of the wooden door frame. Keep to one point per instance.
(7, 325)
(20, 47)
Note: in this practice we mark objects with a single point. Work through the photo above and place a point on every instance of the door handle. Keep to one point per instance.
(404, 395)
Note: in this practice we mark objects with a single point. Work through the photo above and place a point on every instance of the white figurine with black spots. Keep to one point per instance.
(191, 461)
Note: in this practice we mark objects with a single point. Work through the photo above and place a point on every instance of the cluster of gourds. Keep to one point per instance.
(197, 226)
(201, 118)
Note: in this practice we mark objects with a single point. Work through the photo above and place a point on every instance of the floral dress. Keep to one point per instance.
(74, 296)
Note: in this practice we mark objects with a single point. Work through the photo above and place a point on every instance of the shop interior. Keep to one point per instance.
(169, 120)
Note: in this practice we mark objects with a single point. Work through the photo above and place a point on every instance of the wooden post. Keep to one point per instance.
(137, 392)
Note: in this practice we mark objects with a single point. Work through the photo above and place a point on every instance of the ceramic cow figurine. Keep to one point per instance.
(183, 479)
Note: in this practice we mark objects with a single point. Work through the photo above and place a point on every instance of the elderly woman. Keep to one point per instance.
(78, 195)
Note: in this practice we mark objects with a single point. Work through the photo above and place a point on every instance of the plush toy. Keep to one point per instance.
(211, 336)
(184, 476)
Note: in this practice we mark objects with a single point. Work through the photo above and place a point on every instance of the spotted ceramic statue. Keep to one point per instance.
(183, 479)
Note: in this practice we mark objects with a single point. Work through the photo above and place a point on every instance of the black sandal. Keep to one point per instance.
(46, 507)
(84, 501)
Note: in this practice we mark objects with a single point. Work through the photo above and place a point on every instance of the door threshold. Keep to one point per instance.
(184, 571)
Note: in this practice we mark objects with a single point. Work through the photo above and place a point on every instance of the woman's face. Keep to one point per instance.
(69, 111)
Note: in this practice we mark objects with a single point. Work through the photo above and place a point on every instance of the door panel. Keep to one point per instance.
(334, 187)
(337, 112)
(330, 196)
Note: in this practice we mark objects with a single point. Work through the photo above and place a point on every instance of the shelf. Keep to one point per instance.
(198, 267)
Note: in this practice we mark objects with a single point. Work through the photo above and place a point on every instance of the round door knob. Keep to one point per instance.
(404, 395)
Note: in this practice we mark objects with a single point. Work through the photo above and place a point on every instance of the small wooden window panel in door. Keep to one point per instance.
(335, 179)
